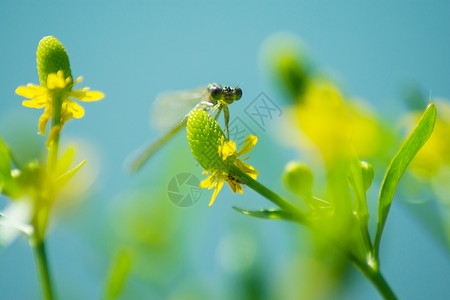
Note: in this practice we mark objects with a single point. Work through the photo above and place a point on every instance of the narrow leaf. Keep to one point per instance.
(118, 274)
(5, 167)
(61, 180)
(267, 214)
(418, 137)
(65, 161)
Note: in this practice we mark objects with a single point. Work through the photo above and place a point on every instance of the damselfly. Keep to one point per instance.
(170, 110)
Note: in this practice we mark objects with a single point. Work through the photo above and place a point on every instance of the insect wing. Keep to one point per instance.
(170, 108)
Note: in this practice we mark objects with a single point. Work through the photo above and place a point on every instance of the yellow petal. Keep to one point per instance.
(44, 119)
(228, 149)
(217, 190)
(72, 107)
(65, 116)
(232, 184)
(239, 188)
(84, 95)
(250, 142)
(35, 103)
(56, 81)
(31, 91)
(54, 131)
(79, 79)
(246, 168)
(208, 181)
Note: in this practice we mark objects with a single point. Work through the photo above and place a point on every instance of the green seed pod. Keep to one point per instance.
(367, 173)
(51, 57)
(298, 178)
(204, 136)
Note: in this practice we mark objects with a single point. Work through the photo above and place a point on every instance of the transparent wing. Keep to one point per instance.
(170, 108)
(136, 160)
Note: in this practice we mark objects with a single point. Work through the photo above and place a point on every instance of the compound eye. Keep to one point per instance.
(215, 91)
(237, 93)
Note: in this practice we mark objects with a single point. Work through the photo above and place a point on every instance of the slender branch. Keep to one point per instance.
(54, 136)
(296, 212)
(376, 245)
(374, 275)
(42, 208)
(40, 258)
(370, 267)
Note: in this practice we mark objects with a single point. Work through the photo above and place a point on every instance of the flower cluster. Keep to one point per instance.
(55, 90)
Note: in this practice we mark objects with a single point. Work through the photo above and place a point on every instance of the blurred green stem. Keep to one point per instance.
(42, 206)
(372, 273)
(370, 267)
(282, 203)
(56, 123)
(40, 258)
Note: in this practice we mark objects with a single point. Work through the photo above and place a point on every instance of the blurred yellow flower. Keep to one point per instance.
(227, 152)
(57, 86)
(333, 123)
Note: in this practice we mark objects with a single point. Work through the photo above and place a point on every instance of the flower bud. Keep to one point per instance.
(298, 178)
(51, 57)
(367, 173)
(288, 63)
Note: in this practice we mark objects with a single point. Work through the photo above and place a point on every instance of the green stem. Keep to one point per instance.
(282, 203)
(373, 274)
(370, 270)
(56, 123)
(40, 258)
(43, 209)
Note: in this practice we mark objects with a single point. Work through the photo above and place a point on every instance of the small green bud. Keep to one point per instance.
(367, 174)
(51, 57)
(298, 178)
(288, 63)
(204, 136)
(293, 76)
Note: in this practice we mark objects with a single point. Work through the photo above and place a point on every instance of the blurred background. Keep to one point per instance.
(119, 234)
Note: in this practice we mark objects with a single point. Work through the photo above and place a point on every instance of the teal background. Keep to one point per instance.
(131, 50)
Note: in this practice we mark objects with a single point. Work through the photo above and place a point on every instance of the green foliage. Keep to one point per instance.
(118, 274)
(400, 162)
(8, 184)
(267, 213)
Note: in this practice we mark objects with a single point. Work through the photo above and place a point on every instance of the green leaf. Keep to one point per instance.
(61, 180)
(267, 214)
(118, 273)
(418, 137)
(8, 184)
(65, 161)
(5, 167)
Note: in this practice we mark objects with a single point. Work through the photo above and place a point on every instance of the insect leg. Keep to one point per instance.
(226, 114)
(218, 113)
(215, 107)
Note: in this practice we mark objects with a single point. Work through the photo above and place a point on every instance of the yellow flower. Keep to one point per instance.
(57, 86)
(228, 154)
